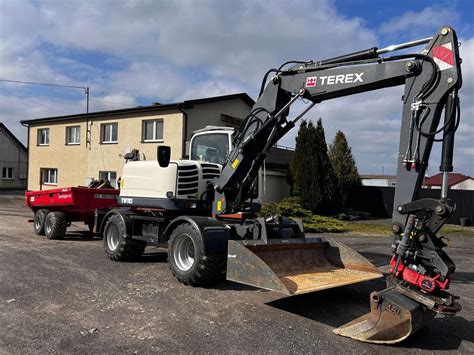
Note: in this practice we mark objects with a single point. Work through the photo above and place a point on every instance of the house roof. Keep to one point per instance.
(187, 104)
(12, 136)
(279, 157)
(454, 179)
(384, 177)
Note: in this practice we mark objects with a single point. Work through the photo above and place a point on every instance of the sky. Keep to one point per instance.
(133, 53)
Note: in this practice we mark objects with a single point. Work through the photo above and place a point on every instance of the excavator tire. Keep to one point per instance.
(188, 261)
(55, 225)
(38, 222)
(117, 246)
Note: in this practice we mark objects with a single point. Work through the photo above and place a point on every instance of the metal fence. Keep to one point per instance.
(378, 201)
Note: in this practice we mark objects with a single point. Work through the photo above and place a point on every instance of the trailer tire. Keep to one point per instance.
(188, 261)
(117, 246)
(55, 225)
(38, 222)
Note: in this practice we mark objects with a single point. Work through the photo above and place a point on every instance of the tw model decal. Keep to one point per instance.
(313, 81)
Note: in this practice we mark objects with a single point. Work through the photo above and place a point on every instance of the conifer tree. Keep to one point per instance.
(311, 171)
(343, 163)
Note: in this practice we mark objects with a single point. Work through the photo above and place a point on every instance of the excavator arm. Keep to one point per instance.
(420, 270)
(426, 93)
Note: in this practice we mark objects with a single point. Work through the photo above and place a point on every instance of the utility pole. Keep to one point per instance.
(87, 99)
(85, 88)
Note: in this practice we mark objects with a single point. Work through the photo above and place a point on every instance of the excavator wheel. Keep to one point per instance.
(188, 261)
(117, 246)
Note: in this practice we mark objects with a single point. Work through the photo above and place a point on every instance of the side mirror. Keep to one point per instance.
(163, 155)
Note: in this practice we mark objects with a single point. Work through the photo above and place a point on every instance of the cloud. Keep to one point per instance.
(136, 52)
(431, 17)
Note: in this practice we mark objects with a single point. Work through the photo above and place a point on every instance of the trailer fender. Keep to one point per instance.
(122, 214)
(214, 233)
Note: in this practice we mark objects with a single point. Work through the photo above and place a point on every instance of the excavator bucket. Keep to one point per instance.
(296, 266)
(392, 318)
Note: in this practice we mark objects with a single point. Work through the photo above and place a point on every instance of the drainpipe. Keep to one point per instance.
(28, 156)
(185, 119)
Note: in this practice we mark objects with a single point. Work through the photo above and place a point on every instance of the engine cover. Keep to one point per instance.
(181, 179)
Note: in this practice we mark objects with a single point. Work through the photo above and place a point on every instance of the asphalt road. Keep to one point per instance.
(67, 297)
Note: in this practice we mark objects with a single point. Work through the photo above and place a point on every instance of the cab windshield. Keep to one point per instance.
(210, 148)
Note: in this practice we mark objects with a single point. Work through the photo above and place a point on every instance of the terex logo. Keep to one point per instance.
(341, 79)
(312, 81)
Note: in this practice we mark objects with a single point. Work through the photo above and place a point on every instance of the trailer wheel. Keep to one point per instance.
(55, 225)
(38, 222)
(187, 260)
(117, 247)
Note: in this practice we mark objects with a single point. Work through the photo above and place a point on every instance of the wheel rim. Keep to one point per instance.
(37, 223)
(48, 226)
(113, 237)
(183, 252)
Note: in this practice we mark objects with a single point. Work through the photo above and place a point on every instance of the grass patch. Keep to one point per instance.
(344, 221)
(367, 229)
(291, 207)
(322, 224)
(456, 230)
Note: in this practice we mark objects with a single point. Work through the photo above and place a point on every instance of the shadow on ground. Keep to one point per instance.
(463, 277)
(84, 236)
(339, 306)
(333, 307)
(378, 259)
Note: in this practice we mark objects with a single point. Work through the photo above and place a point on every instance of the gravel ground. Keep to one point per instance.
(67, 297)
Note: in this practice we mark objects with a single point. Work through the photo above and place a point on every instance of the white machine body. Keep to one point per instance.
(181, 179)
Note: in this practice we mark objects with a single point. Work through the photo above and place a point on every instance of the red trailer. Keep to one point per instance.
(55, 209)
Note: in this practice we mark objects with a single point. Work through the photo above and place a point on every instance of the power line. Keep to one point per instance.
(86, 88)
(45, 84)
(33, 102)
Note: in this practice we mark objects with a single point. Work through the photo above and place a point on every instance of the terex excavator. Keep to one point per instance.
(203, 211)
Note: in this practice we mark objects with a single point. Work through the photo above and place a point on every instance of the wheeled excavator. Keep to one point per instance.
(204, 212)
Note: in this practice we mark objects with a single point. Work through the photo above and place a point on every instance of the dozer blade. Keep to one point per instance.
(392, 318)
(296, 266)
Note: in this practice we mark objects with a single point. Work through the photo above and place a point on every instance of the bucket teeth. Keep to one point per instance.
(393, 317)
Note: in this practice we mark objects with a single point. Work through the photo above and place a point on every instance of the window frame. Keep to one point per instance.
(195, 139)
(108, 172)
(39, 136)
(6, 169)
(68, 128)
(102, 133)
(42, 175)
(154, 139)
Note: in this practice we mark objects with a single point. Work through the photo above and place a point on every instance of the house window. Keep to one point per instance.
(73, 135)
(7, 173)
(109, 132)
(49, 176)
(109, 175)
(152, 131)
(43, 136)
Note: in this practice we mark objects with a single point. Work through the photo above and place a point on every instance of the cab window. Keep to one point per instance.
(211, 148)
